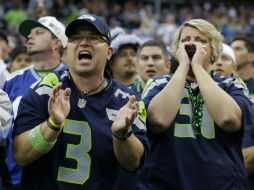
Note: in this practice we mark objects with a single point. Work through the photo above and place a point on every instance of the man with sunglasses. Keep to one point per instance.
(76, 129)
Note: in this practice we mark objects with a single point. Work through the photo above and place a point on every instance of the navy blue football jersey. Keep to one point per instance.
(20, 81)
(248, 141)
(250, 86)
(83, 156)
(179, 160)
(137, 87)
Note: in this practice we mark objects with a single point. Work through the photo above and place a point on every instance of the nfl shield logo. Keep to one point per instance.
(81, 103)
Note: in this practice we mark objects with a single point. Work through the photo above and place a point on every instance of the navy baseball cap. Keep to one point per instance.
(93, 20)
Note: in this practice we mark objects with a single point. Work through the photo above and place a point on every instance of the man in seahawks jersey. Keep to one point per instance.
(243, 47)
(46, 40)
(77, 129)
(152, 60)
(195, 120)
(244, 52)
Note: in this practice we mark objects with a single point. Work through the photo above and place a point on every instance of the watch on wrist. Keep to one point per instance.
(123, 135)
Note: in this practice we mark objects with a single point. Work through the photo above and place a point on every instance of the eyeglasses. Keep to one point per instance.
(77, 39)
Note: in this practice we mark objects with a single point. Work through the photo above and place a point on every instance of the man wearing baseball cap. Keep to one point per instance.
(93, 20)
(123, 63)
(76, 129)
(48, 22)
(45, 43)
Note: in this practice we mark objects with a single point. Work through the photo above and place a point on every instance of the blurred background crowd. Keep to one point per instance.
(146, 18)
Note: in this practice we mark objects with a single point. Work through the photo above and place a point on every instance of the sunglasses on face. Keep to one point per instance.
(78, 38)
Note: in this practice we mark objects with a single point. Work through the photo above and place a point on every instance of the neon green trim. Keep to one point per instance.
(50, 80)
(142, 111)
(243, 83)
(38, 142)
(147, 85)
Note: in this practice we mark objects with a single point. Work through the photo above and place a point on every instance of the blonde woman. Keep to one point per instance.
(195, 120)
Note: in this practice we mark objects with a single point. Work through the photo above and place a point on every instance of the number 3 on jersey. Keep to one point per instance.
(77, 152)
(184, 129)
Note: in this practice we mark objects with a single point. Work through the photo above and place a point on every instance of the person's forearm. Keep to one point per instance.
(248, 155)
(165, 105)
(222, 107)
(128, 152)
(31, 145)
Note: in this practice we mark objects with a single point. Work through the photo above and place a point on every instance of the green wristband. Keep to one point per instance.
(38, 142)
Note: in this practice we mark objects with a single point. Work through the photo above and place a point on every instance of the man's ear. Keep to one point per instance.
(110, 53)
(57, 45)
(251, 56)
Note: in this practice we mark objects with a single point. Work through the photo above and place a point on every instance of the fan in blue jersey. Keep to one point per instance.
(77, 129)
(243, 47)
(195, 120)
(152, 60)
(244, 52)
(46, 40)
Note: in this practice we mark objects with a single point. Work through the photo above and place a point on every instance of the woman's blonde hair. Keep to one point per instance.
(205, 28)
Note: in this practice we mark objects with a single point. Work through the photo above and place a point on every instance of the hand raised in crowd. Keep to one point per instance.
(201, 54)
(182, 55)
(59, 104)
(126, 115)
